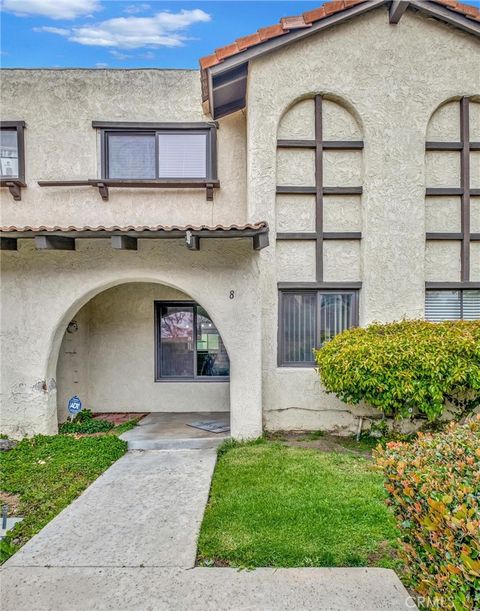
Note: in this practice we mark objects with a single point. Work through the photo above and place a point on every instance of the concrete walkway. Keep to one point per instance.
(129, 543)
(171, 431)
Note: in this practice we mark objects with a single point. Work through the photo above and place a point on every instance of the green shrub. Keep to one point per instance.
(84, 414)
(434, 489)
(86, 426)
(405, 368)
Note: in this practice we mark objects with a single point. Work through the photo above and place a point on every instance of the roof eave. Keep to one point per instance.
(231, 64)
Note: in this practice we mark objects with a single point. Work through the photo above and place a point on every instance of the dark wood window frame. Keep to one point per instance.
(15, 184)
(317, 292)
(157, 129)
(158, 347)
(319, 190)
(209, 183)
(465, 191)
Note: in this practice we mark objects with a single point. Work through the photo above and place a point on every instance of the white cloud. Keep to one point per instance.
(161, 30)
(133, 9)
(52, 30)
(55, 9)
(101, 65)
(148, 55)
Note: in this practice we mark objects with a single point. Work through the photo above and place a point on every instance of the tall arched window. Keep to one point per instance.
(318, 223)
(453, 212)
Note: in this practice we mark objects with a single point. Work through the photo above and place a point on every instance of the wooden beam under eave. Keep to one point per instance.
(8, 244)
(397, 8)
(192, 241)
(124, 242)
(260, 240)
(54, 242)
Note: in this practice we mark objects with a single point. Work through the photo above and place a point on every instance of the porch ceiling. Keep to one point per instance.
(125, 238)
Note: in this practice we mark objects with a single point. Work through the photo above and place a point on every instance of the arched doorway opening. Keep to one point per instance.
(143, 347)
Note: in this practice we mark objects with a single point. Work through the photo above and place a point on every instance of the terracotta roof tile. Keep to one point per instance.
(208, 61)
(227, 51)
(334, 7)
(293, 23)
(135, 228)
(270, 31)
(466, 9)
(314, 15)
(248, 41)
(307, 19)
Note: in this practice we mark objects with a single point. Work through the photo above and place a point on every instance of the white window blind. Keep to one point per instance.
(182, 155)
(131, 156)
(452, 305)
(471, 305)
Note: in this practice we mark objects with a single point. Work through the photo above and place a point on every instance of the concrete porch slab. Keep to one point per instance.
(198, 589)
(170, 430)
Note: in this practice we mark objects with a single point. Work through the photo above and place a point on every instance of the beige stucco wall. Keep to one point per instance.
(390, 79)
(59, 106)
(382, 83)
(113, 357)
(47, 289)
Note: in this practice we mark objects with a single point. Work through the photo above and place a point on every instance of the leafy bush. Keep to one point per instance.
(86, 426)
(434, 489)
(84, 414)
(405, 367)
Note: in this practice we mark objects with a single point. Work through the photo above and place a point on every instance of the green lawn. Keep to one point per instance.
(273, 505)
(48, 473)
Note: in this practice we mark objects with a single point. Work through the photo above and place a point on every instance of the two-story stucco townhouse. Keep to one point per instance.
(176, 240)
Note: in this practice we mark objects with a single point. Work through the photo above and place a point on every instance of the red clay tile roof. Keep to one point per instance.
(287, 24)
(135, 228)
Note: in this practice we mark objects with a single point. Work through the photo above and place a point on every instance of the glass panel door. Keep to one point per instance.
(177, 348)
(212, 358)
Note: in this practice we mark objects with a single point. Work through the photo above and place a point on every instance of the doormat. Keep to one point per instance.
(212, 426)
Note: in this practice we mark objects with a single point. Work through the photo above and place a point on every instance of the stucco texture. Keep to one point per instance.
(59, 106)
(380, 82)
(48, 289)
(388, 81)
(113, 356)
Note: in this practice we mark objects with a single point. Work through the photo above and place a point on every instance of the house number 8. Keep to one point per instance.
(232, 294)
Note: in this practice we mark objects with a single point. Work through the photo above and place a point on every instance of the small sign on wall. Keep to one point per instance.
(74, 405)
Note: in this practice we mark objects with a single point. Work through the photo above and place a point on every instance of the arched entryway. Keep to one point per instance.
(144, 347)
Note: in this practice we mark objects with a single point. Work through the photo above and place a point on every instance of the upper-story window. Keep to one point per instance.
(318, 223)
(158, 151)
(453, 211)
(12, 160)
(11, 150)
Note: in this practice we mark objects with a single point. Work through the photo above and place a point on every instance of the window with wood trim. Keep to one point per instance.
(308, 319)
(319, 187)
(159, 152)
(12, 156)
(188, 346)
(453, 197)
(452, 305)
(318, 223)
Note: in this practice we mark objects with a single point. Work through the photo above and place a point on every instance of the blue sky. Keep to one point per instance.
(129, 33)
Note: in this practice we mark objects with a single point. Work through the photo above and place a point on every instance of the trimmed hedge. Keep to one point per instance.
(405, 368)
(434, 489)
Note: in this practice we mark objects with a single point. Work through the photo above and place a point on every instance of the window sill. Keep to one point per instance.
(103, 185)
(210, 380)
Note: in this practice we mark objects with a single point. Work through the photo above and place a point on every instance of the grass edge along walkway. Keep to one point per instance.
(278, 506)
(48, 473)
